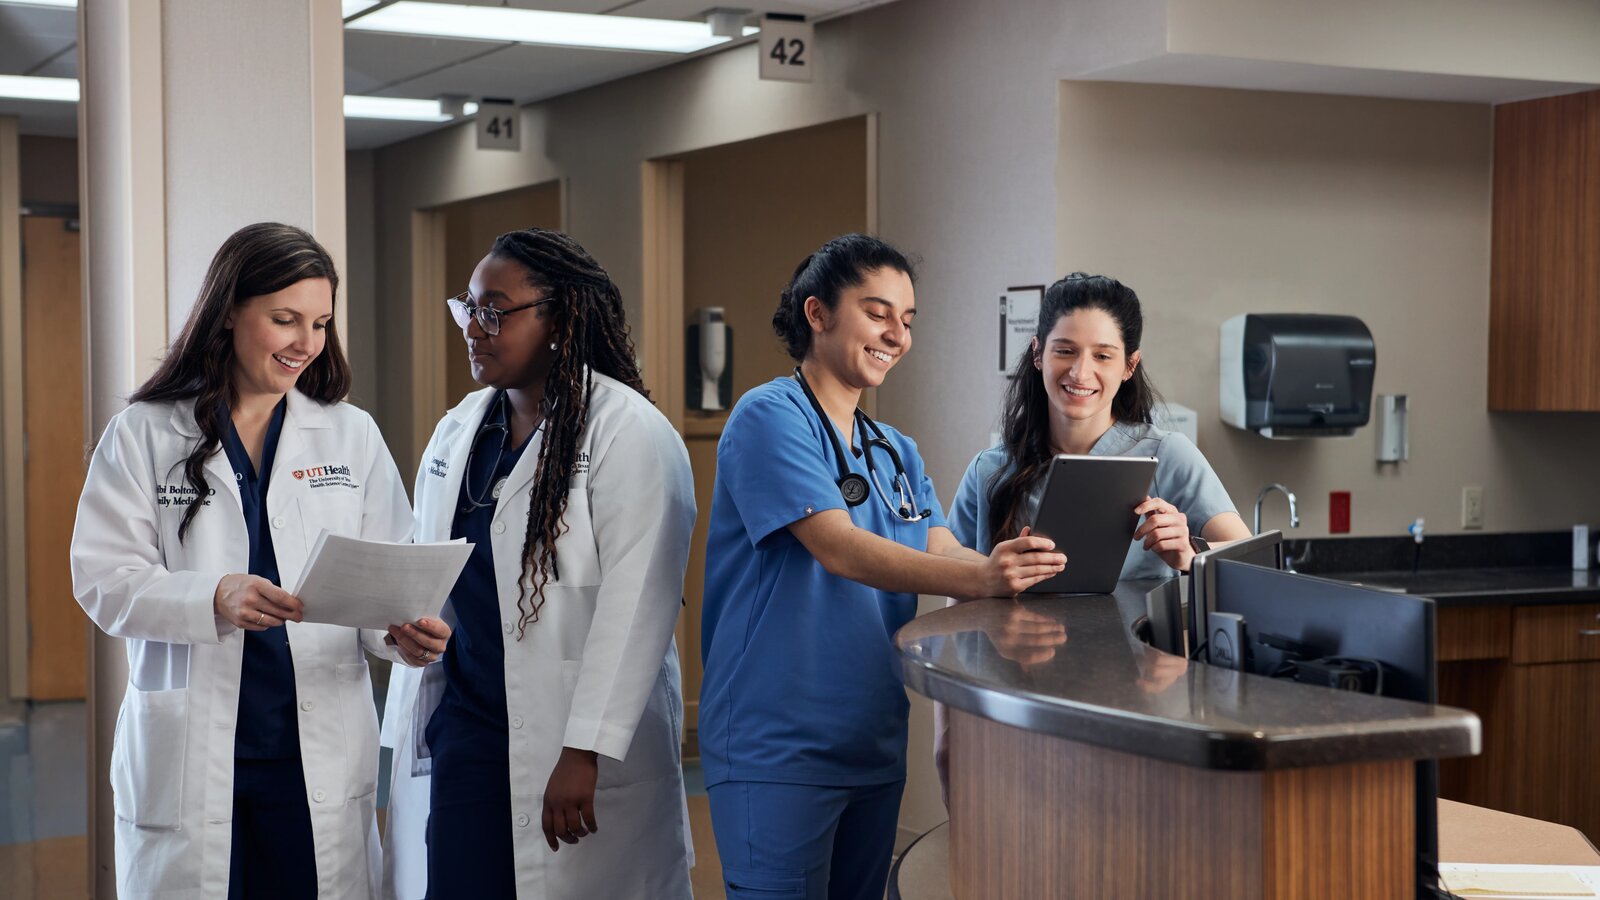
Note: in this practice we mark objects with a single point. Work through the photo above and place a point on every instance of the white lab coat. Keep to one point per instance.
(172, 758)
(598, 671)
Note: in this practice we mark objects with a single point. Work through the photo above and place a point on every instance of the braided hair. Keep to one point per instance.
(590, 333)
(254, 261)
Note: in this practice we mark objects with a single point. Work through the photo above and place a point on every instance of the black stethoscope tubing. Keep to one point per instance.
(853, 486)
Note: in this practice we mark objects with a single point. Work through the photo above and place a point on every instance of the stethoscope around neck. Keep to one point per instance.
(853, 486)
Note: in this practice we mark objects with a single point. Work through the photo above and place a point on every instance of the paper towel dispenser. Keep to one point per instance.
(1297, 375)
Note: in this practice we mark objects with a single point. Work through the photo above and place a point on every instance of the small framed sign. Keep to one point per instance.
(787, 50)
(499, 128)
(1019, 317)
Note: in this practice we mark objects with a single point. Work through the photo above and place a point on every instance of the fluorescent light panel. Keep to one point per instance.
(34, 87)
(360, 107)
(351, 7)
(533, 26)
(58, 4)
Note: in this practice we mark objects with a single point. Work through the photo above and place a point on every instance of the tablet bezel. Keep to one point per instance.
(1095, 539)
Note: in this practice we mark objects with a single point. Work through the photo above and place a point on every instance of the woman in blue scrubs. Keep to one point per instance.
(1082, 389)
(824, 528)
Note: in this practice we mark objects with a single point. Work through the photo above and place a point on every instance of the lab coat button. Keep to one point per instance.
(516, 721)
(499, 528)
(506, 627)
(306, 705)
(522, 820)
(277, 521)
(319, 796)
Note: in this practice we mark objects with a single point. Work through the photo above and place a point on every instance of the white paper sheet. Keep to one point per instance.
(1505, 882)
(375, 584)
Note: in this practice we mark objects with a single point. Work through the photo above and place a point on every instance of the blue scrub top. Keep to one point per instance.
(267, 728)
(468, 735)
(802, 684)
(1183, 478)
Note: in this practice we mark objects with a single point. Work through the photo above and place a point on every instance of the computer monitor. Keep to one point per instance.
(1335, 619)
(1265, 549)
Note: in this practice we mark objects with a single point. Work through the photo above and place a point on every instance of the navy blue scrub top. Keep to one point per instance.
(468, 736)
(267, 728)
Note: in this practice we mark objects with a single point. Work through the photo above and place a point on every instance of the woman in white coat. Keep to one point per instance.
(246, 752)
(553, 722)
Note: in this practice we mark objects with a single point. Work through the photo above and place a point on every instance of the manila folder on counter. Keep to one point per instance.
(375, 584)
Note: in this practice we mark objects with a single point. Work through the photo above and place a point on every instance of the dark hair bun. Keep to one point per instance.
(841, 263)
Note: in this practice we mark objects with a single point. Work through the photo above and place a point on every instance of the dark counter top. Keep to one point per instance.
(1070, 666)
(1517, 586)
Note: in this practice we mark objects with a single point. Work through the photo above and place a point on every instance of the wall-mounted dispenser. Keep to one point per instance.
(1288, 375)
(1392, 413)
(708, 383)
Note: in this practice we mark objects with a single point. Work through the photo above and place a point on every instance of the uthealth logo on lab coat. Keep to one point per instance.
(331, 475)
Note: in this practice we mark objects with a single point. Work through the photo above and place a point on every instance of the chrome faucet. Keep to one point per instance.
(1294, 514)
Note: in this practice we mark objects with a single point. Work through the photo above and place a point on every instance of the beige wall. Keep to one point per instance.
(1212, 203)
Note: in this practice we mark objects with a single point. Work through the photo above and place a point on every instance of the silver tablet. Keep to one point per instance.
(1087, 509)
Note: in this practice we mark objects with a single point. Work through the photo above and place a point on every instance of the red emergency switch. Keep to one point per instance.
(1338, 512)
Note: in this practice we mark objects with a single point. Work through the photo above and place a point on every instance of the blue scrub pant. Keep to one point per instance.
(274, 855)
(469, 835)
(802, 842)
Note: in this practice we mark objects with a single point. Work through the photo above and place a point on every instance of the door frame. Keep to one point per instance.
(13, 516)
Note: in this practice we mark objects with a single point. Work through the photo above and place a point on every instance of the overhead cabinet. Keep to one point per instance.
(1544, 296)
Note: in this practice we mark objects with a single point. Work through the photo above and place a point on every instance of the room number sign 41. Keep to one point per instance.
(498, 126)
(787, 51)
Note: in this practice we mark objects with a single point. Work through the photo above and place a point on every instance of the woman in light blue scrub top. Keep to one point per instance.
(824, 528)
(1081, 389)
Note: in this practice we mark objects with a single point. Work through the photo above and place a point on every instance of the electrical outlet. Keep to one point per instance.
(1472, 507)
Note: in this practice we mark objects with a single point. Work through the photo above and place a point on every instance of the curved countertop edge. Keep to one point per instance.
(1456, 733)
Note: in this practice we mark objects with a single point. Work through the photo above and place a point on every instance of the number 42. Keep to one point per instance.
(789, 52)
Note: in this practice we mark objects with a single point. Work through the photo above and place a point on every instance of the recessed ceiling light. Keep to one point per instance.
(35, 87)
(405, 108)
(535, 26)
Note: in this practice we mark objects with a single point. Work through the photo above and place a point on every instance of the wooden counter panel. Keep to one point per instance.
(1544, 634)
(1038, 816)
(1473, 632)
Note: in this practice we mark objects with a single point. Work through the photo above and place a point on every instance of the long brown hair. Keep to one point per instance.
(1026, 424)
(255, 260)
(590, 333)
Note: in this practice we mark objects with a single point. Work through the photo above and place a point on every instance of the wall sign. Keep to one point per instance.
(1019, 317)
(499, 128)
(787, 51)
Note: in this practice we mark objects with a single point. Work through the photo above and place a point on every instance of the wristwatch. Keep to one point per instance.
(1198, 544)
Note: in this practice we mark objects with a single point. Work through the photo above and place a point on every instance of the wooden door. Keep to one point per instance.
(52, 401)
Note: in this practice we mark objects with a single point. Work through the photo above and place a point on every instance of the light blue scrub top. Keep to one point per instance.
(1183, 478)
(802, 684)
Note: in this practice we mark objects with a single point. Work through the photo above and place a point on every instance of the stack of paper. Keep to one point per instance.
(1481, 881)
(375, 584)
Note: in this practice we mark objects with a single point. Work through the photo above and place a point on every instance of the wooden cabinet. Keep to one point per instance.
(1544, 296)
(1537, 691)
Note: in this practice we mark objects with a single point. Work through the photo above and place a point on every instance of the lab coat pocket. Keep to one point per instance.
(147, 758)
(576, 551)
(360, 715)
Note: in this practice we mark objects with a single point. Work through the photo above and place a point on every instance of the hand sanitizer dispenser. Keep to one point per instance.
(709, 381)
(1297, 375)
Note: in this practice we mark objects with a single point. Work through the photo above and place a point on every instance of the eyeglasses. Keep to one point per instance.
(463, 310)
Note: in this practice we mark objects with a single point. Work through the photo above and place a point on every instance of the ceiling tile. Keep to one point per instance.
(527, 73)
(373, 60)
(31, 34)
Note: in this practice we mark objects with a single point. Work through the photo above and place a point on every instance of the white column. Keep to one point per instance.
(198, 117)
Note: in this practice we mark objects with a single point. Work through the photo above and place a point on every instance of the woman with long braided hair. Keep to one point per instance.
(558, 704)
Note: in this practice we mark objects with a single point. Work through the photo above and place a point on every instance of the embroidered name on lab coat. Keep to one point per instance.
(180, 495)
(331, 475)
(438, 467)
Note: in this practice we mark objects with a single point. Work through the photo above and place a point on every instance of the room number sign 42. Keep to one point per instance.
(787, 51)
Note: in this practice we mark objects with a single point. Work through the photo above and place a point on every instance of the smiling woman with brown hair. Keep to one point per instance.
(245, 762)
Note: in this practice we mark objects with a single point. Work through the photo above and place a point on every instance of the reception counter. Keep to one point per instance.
(1082, 762)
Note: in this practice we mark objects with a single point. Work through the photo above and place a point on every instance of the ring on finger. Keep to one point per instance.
(261, 618)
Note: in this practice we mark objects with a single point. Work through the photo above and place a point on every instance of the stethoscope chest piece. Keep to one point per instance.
(854, 488)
